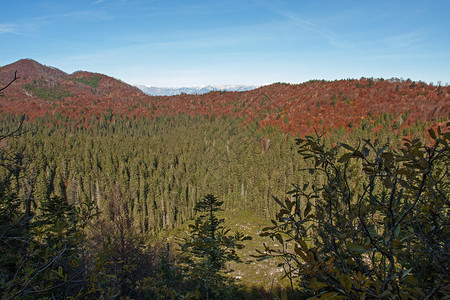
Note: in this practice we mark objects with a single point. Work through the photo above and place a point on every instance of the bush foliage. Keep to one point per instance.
(382, 234)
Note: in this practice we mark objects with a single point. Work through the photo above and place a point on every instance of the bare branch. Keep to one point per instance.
(14, 79)
(40, 271)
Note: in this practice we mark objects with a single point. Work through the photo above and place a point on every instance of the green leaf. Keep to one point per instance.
(347, 147)
(284, 211)
(365, 151)
(432, 134)
(299, 252)
(358, 153)
(307, 209)
(344, 158)
(279, 238)
(346, 282)
(405, 273)
(356, 248)
(265, 258)
(397, 231)
(373, 233)
(316, 285)
(277, 201)
(387, 182)
(302, 244)
(388, 159)
(332, 295)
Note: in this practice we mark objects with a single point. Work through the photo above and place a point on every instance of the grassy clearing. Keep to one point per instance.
(251, 274)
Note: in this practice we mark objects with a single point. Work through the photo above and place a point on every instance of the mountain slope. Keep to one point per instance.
(41, 89)
(295, 108)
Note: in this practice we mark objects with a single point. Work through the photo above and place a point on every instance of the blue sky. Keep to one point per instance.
(251, 42)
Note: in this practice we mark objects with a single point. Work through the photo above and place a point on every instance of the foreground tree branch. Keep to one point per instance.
(14, 79)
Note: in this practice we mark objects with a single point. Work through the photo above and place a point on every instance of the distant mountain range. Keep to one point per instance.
(167, 91)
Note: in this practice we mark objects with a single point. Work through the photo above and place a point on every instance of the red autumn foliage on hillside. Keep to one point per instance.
(295, 108)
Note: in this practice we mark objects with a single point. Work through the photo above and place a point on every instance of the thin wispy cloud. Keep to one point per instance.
(7, 28)
(406, 40)
(33, 26)
(291, 17)
(89, 15)
(332, 38)
(97, 2)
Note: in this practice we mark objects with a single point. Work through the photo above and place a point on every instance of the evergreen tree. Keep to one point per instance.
(209, 247)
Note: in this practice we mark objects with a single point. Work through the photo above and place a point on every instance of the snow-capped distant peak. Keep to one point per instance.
(170, 91)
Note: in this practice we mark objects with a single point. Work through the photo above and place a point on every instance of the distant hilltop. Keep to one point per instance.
(167, 91)
(299, 109)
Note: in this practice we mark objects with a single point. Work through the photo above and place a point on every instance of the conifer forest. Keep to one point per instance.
(227, 195)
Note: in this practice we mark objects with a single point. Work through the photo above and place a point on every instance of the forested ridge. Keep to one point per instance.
(88, 199)
(295, 108)
(164, 165)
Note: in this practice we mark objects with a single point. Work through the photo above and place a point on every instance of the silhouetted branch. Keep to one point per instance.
(16, 132)
(14, 79)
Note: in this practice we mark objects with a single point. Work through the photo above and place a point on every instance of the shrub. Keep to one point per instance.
(382, 234)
